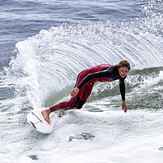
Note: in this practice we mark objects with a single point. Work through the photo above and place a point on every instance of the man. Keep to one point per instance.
(85, 82)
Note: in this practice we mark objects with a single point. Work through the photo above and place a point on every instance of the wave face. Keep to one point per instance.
(51, 60)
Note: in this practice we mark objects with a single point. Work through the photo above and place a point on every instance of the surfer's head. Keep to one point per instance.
(123, 63)
(123, 68)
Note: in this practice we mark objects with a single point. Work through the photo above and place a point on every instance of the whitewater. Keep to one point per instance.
(45, 44)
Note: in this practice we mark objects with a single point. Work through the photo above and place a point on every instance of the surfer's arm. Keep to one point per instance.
(96, 75)
(122, 90)
(101, 74)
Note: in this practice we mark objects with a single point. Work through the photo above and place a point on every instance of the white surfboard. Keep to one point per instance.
(36, 119)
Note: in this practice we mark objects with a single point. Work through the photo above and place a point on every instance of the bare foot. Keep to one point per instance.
(46, 113)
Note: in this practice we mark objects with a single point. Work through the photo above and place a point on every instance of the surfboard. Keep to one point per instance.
(37, 121)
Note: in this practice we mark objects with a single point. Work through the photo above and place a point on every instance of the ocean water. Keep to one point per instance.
(45, 44)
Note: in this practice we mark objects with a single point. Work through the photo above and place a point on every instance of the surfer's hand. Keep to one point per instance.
(124, 107)
(74, 92)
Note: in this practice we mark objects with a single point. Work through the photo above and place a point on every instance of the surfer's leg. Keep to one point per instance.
(82, 75)
(72, 104)
(86, 94)
(62, 105)
(56, 107)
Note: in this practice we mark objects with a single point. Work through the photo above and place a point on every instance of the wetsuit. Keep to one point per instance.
(85, 82)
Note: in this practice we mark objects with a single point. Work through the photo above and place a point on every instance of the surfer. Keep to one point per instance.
(85, 82)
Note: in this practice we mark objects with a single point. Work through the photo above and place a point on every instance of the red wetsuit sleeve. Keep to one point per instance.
(101, 74)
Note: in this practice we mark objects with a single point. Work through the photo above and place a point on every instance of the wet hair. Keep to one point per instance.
(123, 63)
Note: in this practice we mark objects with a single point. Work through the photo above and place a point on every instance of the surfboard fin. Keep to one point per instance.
(33, 125)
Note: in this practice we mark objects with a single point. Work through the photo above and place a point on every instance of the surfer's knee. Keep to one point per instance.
(81, 104)
(75, 103)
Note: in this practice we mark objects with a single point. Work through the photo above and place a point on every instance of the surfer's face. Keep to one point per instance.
(123, 71)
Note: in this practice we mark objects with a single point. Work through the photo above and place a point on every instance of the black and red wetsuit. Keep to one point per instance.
(85, 82)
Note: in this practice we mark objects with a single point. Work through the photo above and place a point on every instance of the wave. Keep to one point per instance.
(50, 61)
